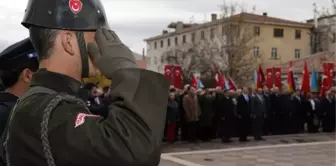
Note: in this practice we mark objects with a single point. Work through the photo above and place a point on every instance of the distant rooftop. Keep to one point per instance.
(181, 27)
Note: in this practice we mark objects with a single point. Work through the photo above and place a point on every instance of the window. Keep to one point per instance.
(257, 31)
(193, 36)
(297, 34)
(168, 42)
(148, 46)
(297, 53)
(155, 60)
(333, 40)
(274, 53)
(212, 33)
(278, 32)
(202, 35)
(234, 29)
(161, 43)
(176, 41)
(155, 45)
(255, 51)
(224, 30)
(184, 39)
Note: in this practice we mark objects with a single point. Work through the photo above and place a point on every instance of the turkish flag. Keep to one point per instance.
(324, 79)
(168, 72)
(277, 78)
(269, 78)
(219, 80)
(290, 78)
(232, 85)
(261, 78)
(194, 82)
(330, 76)
(177, 77)
(305, 87)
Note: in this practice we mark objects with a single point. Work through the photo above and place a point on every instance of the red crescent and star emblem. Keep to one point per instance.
(168, 71)
(80, 118)
(331, 72)
(75, 6)
(177, 73)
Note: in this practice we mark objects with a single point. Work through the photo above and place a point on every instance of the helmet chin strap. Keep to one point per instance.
(83, 54)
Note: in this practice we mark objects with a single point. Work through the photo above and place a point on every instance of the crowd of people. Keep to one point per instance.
(206, 114)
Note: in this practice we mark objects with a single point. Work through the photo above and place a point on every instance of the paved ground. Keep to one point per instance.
(294, 150)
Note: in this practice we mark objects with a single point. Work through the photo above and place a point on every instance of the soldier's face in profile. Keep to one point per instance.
(90, 38)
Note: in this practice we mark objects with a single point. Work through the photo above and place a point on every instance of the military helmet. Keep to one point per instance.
(75, 15)
(79, 15)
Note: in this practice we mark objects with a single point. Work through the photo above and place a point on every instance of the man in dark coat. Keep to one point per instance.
(182, 121)
(312, 107)
(206, 107)
(267, 129)
(217, 109)
(227, 117)
(258, 111)
(298, 113)
(243, 113)
(288, 121)
(277, 113)
(328, 112)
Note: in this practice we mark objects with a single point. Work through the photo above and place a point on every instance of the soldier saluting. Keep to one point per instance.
(49, 126)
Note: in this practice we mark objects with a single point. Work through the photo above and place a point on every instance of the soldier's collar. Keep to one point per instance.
(55, 81)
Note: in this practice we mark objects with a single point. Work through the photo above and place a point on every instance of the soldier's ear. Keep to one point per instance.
(69, 42)
(26, 75)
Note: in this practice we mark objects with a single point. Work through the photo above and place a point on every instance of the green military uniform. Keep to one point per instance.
(51, 127)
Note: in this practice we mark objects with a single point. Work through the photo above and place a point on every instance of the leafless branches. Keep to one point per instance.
(224, 44)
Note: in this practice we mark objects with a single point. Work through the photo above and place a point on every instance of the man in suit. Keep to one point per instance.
(267, 129)
(227, 117)
(258, 111)
(328, 112)
(243, 113)
(277, 114)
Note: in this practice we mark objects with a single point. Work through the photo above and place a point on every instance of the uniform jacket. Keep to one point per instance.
(130, 136)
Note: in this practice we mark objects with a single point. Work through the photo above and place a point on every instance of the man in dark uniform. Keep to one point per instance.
(49, 126)
(17, 64)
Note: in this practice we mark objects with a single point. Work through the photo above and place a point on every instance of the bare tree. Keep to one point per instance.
(224, 44)
(325, 26)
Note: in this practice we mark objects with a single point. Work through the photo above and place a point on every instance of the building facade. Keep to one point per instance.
(274, 40)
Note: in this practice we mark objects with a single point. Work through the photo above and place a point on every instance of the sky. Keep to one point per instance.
(136, 20)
